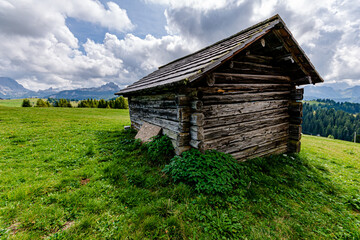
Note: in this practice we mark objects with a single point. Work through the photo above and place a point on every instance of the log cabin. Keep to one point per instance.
(238, 96)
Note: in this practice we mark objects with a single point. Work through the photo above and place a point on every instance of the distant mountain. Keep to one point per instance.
(9, 88)
(105, 91)
(340, 95)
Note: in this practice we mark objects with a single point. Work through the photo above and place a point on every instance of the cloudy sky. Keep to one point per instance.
(84, 43)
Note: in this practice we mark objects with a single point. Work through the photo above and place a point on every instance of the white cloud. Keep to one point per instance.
(38, 48)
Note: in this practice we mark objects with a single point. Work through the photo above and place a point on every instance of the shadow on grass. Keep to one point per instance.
(285, 196)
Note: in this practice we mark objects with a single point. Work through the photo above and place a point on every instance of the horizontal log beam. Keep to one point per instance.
(240, 128)
(244, 139)
(222, 110)
(245, 97)
(244, 117)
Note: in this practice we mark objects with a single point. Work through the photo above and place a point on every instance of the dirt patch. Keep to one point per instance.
(67, 225)
(14, 228)
(85, 181)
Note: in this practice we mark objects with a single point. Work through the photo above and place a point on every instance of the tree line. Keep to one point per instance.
(329, 119)
(118, 103)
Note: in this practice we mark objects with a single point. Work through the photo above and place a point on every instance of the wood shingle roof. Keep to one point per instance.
(196, 65)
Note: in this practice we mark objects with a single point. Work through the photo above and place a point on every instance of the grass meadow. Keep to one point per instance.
(75, 174)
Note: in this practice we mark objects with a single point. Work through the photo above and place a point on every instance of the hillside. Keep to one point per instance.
(328, 118)
(75, 174)
(105, 91)
(10, 88)
(350, 94)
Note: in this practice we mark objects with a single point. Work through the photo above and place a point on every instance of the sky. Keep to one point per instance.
(68, 44)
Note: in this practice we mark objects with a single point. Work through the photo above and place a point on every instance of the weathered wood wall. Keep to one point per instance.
(169, 110)
(245, 108)
(248, 107)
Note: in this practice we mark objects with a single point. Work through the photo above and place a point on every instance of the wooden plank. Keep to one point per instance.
(147, 132)
(171, 125)
(230, 109)
(197, 119)
(245, 87)
(196, 133)
(245, 137)
(294, 146)
(259, 153)
(155, 97)
(244, 117)
(196, 144)
(183, 114)
(239, 128)
(249, 139)
(197, 105)
(254, 68)
(297, 94)
(239, 76)
(245, 97)
(152, 104)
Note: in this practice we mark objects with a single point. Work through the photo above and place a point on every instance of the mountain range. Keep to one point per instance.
(10, 88)
(351, 94)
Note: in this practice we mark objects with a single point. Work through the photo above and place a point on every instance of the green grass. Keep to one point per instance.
(15, 102)
(75, 174)
(18, 102)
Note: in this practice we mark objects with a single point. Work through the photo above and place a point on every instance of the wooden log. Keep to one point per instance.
(297, 94)
(196, 133)
(171, 125)
(296, 120)
(196, 144)
(197, 105)
(244, 117)
(245, 97)
(245, 137)
(180, 150)
(294, 146)
(246, 141)
(246, 87)
(183, 114)
(149, 114)
(255, 58)
(197, 119)
(170, 114)
(277, 150)
(244, 78)
(182, 100)
(295, 132)
(210, 80)
(153, 104)
(295, 109)
(155, 97)
(254, 68)
(221, 110)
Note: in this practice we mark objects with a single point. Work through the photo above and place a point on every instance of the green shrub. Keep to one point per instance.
(26, 103)
(42, 103)
(160, 150)
(211, 173)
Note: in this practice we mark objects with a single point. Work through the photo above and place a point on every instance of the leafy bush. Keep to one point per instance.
(118, 103)
(354, 202)
(160, 150)
(62, 103)
(42, 103)
(26, 103)
(211, 173)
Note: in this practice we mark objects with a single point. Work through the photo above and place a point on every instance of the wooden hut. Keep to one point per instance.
(237, 96)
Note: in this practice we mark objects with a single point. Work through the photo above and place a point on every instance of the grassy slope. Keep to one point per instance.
(15, 102)
(73, 174)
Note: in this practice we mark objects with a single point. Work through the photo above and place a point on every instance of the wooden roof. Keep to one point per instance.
(196, 65)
